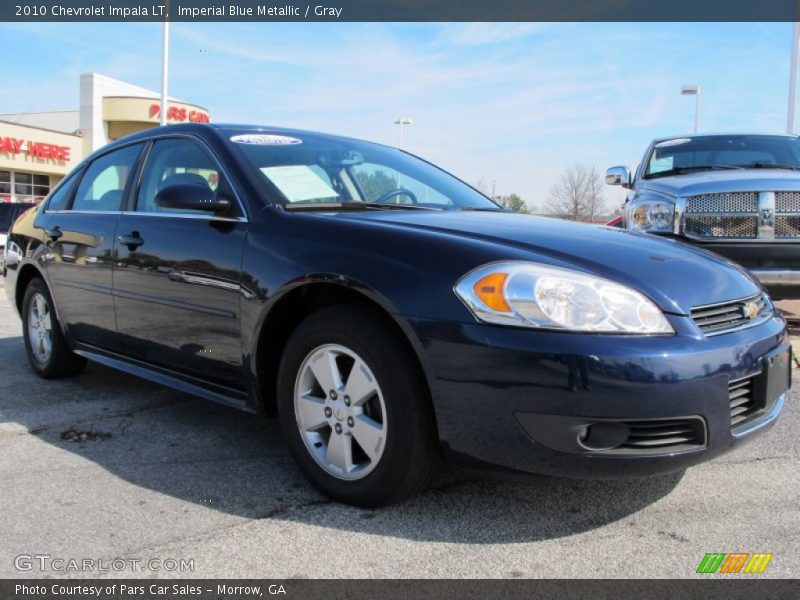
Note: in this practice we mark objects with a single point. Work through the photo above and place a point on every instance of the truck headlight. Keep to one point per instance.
(527, 294)
(651, 214)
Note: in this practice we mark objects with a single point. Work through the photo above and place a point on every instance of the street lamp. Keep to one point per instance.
(793, 80)
(402, 121)
(164, 71)
(693, 90)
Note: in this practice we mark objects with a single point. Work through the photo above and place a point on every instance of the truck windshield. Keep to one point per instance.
(717, 152)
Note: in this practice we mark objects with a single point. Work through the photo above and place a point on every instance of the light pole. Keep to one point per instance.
(693, 90)
(164, 70)
(793, 81)
(402, 121)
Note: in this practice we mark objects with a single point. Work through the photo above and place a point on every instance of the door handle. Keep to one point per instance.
(54, 234)
(133, 240)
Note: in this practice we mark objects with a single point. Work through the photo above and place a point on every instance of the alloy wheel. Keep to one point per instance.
(40, 328)
(340, 412)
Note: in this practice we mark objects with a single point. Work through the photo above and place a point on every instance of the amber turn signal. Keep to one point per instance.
(490, 291)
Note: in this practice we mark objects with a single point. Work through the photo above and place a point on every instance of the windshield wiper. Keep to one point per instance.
(682, 170)
(352, 205)
(768, 165)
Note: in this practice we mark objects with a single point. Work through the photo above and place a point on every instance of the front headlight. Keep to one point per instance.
(527, 294)
(651, 214)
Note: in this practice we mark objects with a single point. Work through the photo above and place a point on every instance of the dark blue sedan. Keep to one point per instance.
(390, 314)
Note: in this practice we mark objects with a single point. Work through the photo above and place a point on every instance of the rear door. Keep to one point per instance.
(81, 224)
(177, 277)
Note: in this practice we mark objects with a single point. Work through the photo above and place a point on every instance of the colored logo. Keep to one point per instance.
(734, 562)
(750, 310)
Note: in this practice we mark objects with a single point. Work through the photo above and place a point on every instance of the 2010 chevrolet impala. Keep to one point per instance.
(387, 312)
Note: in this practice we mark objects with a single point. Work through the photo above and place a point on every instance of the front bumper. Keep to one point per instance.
(496, 389)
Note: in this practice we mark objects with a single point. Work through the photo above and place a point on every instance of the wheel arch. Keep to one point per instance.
(27, 272)
(294, 305)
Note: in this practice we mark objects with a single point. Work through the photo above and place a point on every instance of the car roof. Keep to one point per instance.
(221, 129)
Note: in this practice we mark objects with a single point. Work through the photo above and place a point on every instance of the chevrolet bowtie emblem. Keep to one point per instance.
(750, 310)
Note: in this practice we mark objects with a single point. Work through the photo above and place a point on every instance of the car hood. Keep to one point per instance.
(673, 274)
(706, 182)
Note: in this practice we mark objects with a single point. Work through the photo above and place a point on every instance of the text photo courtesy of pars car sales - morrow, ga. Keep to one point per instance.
(399, 299)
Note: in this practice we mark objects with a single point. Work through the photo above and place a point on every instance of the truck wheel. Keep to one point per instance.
(354, 408)
(45, 346)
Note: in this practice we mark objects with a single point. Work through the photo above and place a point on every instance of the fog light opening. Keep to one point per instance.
(603, 435)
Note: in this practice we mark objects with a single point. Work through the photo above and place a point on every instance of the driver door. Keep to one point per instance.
(177, 273)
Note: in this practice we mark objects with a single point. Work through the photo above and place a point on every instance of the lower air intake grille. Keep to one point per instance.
(729, 316)
(664, 436)
(743, 406)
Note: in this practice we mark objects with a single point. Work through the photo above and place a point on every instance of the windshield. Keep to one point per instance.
(307, 169)
(705, 153)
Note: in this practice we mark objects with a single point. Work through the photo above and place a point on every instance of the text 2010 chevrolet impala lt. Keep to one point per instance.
(388, 311)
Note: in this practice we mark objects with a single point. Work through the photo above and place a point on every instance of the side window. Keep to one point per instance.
(59, 198)
(103, 184)
(174, 161)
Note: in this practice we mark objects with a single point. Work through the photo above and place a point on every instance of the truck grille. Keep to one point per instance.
(726, 202)
(787, 202)
(729, 316)
(787, 227)
(735, 216)
(743, 406)
(740, 228)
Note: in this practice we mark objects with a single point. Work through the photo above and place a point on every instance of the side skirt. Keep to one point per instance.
(183, 383)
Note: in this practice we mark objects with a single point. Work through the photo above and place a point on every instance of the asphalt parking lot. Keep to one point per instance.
(107, 466)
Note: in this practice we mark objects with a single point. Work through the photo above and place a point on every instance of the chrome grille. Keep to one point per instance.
(735, 216)
(787, 227)
(726, 202)
(728, 316)
(787, 202)
(742, 401)
(742, 228)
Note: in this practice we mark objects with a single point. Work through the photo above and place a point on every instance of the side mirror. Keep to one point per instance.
(619, 176)
(191, 196)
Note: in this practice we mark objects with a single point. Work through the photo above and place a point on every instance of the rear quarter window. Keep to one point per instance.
(59, 199)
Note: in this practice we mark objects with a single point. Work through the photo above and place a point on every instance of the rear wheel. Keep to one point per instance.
(45, 346)
(354, 408)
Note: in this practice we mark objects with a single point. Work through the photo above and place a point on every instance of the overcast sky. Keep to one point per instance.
(515, 103)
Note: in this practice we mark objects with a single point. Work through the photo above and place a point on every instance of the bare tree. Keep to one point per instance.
(482, 186)
(578, 194)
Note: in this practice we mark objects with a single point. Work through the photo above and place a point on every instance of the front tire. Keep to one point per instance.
(45, 346)
(354, 408)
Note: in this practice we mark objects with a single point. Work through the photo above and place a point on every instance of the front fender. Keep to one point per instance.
(252, 336)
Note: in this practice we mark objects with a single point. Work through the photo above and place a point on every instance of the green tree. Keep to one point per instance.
(376, 183)
(513, 202)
